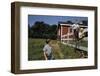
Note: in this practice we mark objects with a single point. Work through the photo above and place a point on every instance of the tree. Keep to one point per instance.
(85, 22)
(29, 31)
(43, 30)
(69, 22)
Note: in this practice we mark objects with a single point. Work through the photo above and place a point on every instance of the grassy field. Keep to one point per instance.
(60, 51)
(35, 47)
(80, 43)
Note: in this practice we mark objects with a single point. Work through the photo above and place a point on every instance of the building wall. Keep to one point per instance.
(64, 30)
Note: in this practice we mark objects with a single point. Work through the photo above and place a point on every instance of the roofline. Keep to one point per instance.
(70, 25)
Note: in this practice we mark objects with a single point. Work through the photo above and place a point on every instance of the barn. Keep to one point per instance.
(65, 31)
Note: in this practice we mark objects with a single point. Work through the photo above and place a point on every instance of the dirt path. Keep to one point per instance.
(57, 50)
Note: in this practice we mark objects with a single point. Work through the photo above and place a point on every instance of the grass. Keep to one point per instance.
(81, 43)
(35, 47)
(60, 51)
(69, 52)
(84, 43)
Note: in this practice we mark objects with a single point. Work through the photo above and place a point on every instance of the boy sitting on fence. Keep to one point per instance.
(75, 28)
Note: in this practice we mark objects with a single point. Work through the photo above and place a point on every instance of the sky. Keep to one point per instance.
(53, 19)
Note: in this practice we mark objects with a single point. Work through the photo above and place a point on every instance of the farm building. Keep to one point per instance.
(65, 31)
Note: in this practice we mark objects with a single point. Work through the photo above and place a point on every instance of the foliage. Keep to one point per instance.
(42, 30)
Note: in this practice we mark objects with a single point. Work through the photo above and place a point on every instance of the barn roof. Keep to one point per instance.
(69, 25)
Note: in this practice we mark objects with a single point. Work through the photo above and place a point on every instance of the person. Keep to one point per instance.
(75, 28)
(86, 32)
(83, 33)
(47, 50)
